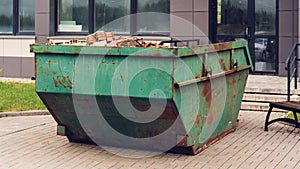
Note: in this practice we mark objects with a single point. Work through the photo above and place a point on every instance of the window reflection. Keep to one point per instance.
(232, 17)
(154, 22)
(110, 15)
(229, 39)
(265, 54)
(265, 17)
(114, 16)
(26, 15)
(6, 16)
(73, 15)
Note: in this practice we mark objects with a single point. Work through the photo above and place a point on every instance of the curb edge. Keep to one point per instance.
(24, 113)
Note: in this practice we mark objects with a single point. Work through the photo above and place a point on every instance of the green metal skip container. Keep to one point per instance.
(163, 99)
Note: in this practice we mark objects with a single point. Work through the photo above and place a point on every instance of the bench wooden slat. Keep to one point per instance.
(287, 105)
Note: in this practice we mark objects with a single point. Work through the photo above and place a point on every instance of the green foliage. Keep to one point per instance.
(19, 97)
(290, 115)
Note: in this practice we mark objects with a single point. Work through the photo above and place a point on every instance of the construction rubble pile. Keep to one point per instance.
(107, 39)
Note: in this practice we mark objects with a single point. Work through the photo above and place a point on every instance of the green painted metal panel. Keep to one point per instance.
(194, 94)
(55, 73)
(93, 50)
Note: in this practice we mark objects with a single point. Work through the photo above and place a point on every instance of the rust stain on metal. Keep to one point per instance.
(55, 82)
(49, 62)
(232, 83)
(222, 64)
(222, 46)
(211, 49)
(48, 51)
(197, 122)
(183, 141)
(213, 141)
(65, 81)
(207, 93)
(219, 47)
(197, 76)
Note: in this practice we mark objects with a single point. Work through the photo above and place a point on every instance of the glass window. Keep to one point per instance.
(6, 16)
(232, 17)
(265, 17)
(156, 21)
(113, 15)
(73, 16)
(26, 15)
(265, 54)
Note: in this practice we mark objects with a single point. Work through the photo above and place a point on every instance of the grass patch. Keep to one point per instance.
(19, 97)
(290, 115)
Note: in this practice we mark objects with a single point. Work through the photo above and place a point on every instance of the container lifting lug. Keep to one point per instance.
(236, 64)
(208, 72)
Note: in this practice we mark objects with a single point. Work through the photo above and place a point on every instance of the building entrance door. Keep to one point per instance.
(253, 20)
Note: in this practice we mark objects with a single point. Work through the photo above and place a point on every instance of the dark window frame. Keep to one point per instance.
(16, 22)
(92, 17)
(213, 32)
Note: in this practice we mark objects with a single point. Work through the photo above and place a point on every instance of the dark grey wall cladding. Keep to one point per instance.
(1, 65)
(27, 67)
(12, 67)
(17, 67)
(43, 20)
(193, 18)
(288, 30)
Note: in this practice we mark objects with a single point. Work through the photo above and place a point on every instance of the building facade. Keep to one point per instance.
(271, 27)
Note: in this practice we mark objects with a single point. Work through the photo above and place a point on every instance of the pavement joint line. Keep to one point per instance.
(227, 146)
(290, 133)
(242, 147)
(296, 164)
(264, 143)
(18, 131)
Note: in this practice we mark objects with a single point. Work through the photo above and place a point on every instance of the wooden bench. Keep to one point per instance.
(291, 65)
(289, 106)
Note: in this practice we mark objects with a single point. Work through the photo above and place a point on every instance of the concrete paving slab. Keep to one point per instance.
(31, 142)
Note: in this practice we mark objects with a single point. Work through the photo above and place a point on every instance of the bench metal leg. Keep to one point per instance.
(268, 117)
(296, 120)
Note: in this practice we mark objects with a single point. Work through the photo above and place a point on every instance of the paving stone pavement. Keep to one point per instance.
(31, 142)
